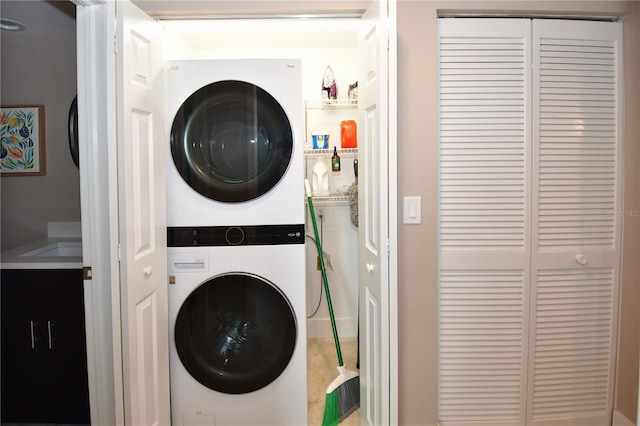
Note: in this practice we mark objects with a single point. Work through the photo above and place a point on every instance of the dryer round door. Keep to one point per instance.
(235, 333)
(231, 141)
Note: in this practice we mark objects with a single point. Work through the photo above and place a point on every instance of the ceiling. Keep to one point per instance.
(40, 17)
(165, 8)
(58, 16)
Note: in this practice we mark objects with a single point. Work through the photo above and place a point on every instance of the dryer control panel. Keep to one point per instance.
(211, 236)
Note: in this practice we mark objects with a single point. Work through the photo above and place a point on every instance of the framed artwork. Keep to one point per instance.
(22, 138)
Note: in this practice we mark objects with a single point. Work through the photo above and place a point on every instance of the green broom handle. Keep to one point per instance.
(324, 274)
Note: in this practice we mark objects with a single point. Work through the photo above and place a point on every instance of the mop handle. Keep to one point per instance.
(324, 273)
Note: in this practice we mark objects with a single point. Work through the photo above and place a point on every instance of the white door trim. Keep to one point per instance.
(392, 176)
(96, 93)
(96, 128)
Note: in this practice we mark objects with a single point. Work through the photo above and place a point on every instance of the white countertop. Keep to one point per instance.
(15, 259)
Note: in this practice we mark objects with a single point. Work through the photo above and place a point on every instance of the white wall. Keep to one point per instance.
(417, 175)
(317, 44)
(40, 69)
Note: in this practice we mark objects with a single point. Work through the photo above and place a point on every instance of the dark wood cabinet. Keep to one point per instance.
(44, 360)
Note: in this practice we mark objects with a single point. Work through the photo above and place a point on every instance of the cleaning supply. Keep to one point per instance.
(343, 394)
(348, 134)
(353, 196)
(352, 93)
(335, 161)
(320, 178)
(320, 139)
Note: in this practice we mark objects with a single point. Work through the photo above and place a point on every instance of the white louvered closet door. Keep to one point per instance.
(575, 260)
(529, 187)
(484, 220)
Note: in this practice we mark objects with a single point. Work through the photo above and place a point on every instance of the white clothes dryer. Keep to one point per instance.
(235, 149)
(237, 325)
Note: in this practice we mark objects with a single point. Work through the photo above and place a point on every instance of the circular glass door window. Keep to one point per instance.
(231, 141)
(236, 333)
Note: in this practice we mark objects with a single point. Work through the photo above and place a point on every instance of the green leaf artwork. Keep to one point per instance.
(20, 133)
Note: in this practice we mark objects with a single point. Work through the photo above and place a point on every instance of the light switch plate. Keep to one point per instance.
(412, 210)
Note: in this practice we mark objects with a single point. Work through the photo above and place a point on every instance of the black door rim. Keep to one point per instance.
(231, 141)
(236, 333)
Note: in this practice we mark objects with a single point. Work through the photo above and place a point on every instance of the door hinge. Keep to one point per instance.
(115, 44)
(86, 273)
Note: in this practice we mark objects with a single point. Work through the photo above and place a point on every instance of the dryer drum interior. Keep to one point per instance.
(231, 141)
(235, 333)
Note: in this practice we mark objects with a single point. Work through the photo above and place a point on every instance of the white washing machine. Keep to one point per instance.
(235, 149)
(237, 325)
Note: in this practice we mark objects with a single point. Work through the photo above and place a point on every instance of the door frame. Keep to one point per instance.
(99, 206)
(392, 185)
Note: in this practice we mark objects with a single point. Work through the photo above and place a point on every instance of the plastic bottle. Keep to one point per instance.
(335, 160)
(320, 179)
(348, 134)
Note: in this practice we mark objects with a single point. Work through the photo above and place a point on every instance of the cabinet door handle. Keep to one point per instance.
(50, 325)
(32, 326)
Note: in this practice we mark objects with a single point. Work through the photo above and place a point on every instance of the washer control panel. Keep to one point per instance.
(211, 236)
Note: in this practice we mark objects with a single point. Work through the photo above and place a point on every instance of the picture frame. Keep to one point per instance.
(22, 138)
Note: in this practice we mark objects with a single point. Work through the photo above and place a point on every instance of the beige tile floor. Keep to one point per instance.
(321, 365)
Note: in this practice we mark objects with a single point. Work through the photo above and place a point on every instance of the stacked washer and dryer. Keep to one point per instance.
(235, 216)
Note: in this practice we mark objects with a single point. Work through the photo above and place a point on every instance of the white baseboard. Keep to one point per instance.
(620, 420)
(321, 327)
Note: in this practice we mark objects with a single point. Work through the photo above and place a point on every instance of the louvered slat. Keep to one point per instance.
(572, 342)
(524, 339)
(481, 345)
(576, 144)
(482, 143)
(576, 190)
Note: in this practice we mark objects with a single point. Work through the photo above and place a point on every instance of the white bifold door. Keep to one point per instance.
(530, 202)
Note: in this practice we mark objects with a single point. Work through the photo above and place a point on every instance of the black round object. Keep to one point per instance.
(235, 333)
(73, 132)
(231, 141)
(234, 236)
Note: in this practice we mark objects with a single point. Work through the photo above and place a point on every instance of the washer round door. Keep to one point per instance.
(231, 141)
(235, 333)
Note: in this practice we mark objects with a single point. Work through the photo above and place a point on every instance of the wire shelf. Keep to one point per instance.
(331, 104)
(343, 152)
(331, 200)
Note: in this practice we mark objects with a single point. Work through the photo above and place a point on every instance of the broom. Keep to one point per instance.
(343, 394)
